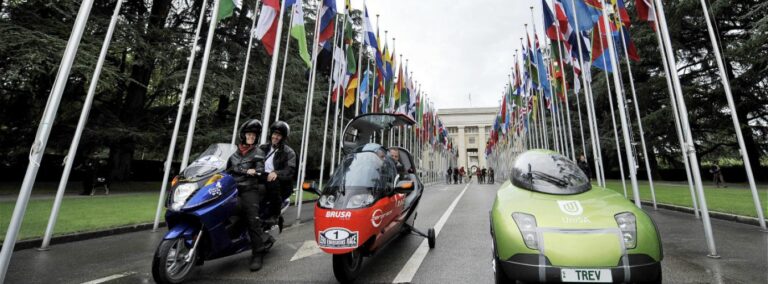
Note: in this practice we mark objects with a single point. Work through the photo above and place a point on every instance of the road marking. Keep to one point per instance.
(309, 248)
(110, 278)
(412, 266)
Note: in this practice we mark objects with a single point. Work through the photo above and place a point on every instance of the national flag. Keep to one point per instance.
(646, 12)
(587, 12)
(327, 20)
(399, 87)
(600, 55)
(299, 33)
(550, 25)
(339, 72)
(364, 95)
(542, 71)
(369, 38)
(623, 14)
(349, 99)
(227, 7)
(266, 28)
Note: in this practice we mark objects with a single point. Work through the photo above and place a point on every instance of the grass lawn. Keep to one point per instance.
(735, 199)
(82, 214)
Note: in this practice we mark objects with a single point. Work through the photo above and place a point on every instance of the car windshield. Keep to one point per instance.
(212, 160)
(368, 169)
(548, 172)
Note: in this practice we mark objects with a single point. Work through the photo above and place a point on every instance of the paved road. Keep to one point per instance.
(462, 254)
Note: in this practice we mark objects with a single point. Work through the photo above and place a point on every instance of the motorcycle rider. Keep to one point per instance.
(246, 165)
(279, 168)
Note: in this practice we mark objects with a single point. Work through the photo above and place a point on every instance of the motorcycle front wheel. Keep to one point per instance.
(172, 262)
(346, 267)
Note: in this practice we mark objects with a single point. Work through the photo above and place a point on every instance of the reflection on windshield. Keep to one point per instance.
(212, 160)
(364, 170)
(548, 172)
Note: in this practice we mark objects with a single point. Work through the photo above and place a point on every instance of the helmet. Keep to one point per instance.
(251, 125)
(280, 127)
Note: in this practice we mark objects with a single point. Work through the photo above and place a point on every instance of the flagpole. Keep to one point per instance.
(338, 100)
(200, 84)
(690, 146)
(537, 49)
(734, 117)
(613, 122)
(272, 74)
(678, 128)
(565, 93)
(179, 113)
(587, 86)
(285, 63)
(308, 117)
(328, 100)
(578, 109)
(41, 138)
(72, 153)
(245, 68)
(599, 154)
(359, 75)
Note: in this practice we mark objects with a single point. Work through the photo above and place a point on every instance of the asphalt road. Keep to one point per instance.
(462, 253)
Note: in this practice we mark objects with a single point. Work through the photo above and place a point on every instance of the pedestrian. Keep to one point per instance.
(491, 174)
(88, 169)
(717, 175)
(479, 174)
(584, 166)
(484, 173)
(246, 166)
(279, 169)
(450, 174)
(461, 175)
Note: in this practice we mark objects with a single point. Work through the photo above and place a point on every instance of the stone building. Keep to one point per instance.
(469, 130)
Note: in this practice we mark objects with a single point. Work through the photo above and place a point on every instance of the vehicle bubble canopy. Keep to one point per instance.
(548, 172)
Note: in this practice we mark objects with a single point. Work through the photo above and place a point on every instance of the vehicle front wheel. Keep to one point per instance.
(431, 238)
(172, 262)
(346, 267)
(498, 273)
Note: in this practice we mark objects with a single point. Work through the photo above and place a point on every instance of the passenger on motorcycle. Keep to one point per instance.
(279, 168)
(246, 165)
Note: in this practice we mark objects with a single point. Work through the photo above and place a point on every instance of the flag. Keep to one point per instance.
(368, 36)
(646, 12)
(587, 12)
(364, 95)
(266, 28)
(399, 87)
(623, 14)
(226, 8)
(600, 55)
(550, 25)
(542, 71)
(299, 33)
(349, 99)
(339, 72)
(327, 22)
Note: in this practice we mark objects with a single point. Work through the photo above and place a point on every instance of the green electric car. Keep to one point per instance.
(549, 224)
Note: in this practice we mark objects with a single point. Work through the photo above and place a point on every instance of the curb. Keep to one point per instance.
(74, 237)
(712, 214)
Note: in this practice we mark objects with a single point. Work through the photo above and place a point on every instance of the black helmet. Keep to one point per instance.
(251, 125)
(280, 127)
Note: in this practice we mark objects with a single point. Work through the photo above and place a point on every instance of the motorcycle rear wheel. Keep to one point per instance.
(170, 265)
(346, 267)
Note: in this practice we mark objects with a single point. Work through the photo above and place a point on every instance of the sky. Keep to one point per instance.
(456, 48)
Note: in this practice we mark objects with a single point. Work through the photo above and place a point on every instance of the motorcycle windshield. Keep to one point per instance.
(548, 172)
(362, 178)
(367, 128)
(212, 160)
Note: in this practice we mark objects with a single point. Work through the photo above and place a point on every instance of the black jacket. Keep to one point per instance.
(284, 162)
(239, 164)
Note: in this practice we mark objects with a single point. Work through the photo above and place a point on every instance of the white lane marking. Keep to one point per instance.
(110, 278)
(309, 248)
(412, 266)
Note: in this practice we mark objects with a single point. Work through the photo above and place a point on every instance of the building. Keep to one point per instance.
(469, 129)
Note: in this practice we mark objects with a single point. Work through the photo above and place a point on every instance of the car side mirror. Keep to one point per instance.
(404, 187)
(310, 187)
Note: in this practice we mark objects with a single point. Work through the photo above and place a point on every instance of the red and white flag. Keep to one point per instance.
(266, 28)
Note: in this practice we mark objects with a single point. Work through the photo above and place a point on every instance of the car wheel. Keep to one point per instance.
(431, 238)
(346, 267)
(498, 273)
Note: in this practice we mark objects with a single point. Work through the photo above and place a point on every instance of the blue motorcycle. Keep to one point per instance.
(203, 218)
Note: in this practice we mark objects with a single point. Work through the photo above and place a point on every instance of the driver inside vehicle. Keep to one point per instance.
(394, 153)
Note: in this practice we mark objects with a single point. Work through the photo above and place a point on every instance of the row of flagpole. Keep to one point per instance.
(536, 135)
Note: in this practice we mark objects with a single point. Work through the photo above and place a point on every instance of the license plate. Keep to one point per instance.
(586, 275)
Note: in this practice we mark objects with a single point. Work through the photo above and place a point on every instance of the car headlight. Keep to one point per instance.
(181, 194)
(359, 201)
(628, 226)
(327, 201)
(527, 225)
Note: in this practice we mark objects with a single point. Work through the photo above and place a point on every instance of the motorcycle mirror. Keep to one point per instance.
(310, 186)
(404, 187)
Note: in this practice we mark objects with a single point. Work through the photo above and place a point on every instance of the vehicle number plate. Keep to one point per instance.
(586, 275)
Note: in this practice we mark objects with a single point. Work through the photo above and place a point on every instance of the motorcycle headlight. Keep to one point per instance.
(181, 194)
(360, 200)
(527, 225)
(628, 226)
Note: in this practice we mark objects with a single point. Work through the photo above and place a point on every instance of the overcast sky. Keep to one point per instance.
(456, 48)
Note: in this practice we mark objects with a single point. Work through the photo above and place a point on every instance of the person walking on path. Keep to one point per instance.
(449, 176)
(717, 175)
(491, 178)
(479, 174)
(461, 175)
(584, 166)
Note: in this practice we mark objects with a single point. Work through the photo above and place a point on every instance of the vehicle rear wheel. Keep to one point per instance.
(346, 267)
(172, 261)
(431, 238)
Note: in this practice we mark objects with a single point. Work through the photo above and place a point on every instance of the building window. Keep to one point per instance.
(471, 140)
(470, 129)
(472, 152)
(453, 130)
(487, 129)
